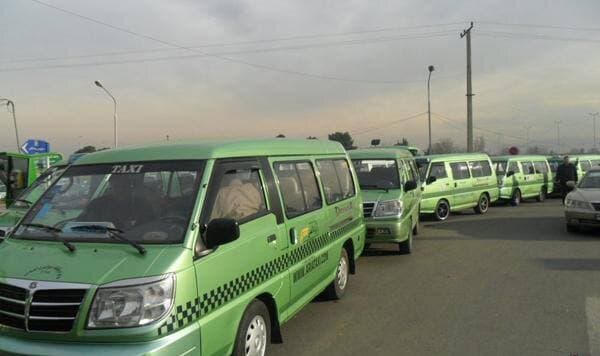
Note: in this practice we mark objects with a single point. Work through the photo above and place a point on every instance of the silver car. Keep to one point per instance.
(582, 205)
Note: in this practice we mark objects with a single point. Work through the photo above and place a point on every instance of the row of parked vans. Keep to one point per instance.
(208, 248)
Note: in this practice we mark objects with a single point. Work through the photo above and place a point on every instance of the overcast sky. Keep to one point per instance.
(349, 65)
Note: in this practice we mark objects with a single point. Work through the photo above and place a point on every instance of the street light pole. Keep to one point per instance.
(594, 116)
(99, 85)
(10, 105)
(431, 69)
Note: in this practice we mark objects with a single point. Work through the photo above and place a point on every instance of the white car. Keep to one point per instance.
(582, 205)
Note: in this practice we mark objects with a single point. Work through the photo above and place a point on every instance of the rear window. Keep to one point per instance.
(460, 170)
(336, 179)
(377, 174)
(298, 186)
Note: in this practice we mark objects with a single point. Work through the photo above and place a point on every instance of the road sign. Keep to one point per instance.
(35, 146)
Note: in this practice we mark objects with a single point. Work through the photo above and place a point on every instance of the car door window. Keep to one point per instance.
(540, 167)
(438, 170)
(527, 168)
(476, 169)
(460, 170)
(238, 193)
(514, 167)
(336, 179)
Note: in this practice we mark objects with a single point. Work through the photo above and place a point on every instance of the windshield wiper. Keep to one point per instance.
(113, 233)
(55, 233)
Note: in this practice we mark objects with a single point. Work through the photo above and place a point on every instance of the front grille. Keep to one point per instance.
(52, 310)
(368, 209)
(596, 206)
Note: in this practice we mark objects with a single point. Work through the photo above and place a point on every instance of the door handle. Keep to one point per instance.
(293, 236)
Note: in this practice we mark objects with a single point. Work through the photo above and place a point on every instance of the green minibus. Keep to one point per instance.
(584, 163)
(523, 176)
(389, 181)
(18, 171)
(454, 182)
(180, 248)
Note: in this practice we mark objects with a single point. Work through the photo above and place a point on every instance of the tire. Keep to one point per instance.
(483, 204)
(417, 227)
(254, 333)
(405, 247)
(442, 210)
(541, 195)
(337, 288)
(515, 200)
(572, 228)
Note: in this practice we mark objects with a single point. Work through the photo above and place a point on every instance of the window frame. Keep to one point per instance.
(294, 162)
(337, 176)
(220, 168)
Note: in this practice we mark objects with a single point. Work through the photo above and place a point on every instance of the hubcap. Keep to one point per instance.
(484, 203)
(442, 210)
(256, 337)
(342, 274)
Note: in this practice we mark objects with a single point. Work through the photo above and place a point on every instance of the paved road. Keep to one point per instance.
(512, 282)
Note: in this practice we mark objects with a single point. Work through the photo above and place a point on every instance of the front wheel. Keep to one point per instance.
(516, 198)
(442, 210)
(337, 288)
(541, 195)
(483, 204)
(405, 247)
(254, 332)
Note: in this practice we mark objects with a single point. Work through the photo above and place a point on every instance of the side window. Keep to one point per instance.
(460, 170)
(527, 168)
(298, 186)
(513, 167)
(239, 193)
(595, 163)
(476, 169)
(336, 179)
(486, 168)
(540, 167)
(438, 170)
(410, 173)
(415, 171)
(585, 165)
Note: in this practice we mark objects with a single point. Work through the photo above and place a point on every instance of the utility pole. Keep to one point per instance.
(467, 33)
(594, 116)
(558, 122)
(10, 105)
(430, 69)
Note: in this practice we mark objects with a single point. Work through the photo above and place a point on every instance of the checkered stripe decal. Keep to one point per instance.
(214, 299)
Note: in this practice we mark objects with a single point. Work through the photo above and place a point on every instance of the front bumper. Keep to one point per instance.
(579, 217)
(387, 230)
(183, 342)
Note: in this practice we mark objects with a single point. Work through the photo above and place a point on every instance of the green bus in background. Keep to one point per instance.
(391, 192)
(523, 176)
(180, 248)
(454, 182)
(18, 171)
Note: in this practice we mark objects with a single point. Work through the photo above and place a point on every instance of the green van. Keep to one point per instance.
(522, 177)
(18, 171)
(389, 181)
(584, 163)
(180, 249)
(454, 182)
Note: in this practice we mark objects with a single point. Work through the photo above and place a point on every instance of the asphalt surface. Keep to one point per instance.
(511, 282)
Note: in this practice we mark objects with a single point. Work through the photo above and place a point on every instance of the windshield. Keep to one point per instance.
(377, 174)
(38, 187)
(590, 181)
(150, 202)
(500, 167)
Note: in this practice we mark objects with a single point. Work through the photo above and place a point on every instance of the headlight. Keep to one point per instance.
(135, 305)
(388, 208)
(577, 204)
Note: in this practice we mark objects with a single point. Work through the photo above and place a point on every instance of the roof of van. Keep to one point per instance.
(366, 153)
(452, 156)
(507, 157)
(205, 149)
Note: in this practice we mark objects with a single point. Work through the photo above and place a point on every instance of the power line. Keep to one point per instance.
(535, 36)
(390, 123)
(221, 57)
(554, 27)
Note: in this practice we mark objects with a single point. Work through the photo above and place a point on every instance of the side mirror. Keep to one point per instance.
(410, 185)
(430, 179)
(510, 173)
(220, 232)
(571, 185)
